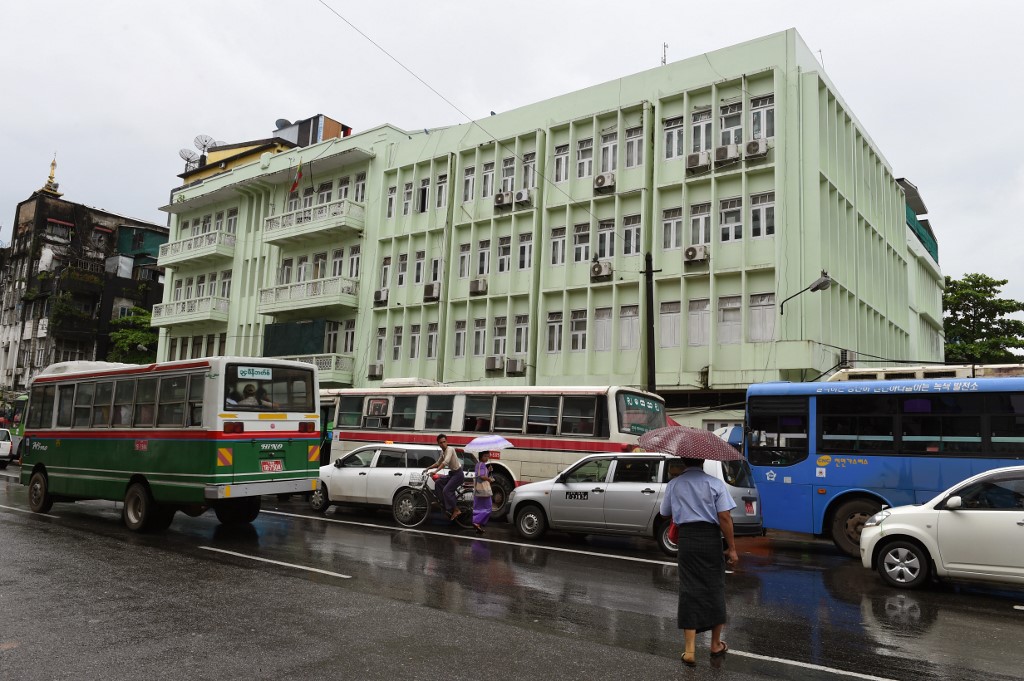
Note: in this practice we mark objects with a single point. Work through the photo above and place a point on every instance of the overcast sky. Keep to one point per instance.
(117, 87)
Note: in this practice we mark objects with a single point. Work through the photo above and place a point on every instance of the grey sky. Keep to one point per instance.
(117, 87)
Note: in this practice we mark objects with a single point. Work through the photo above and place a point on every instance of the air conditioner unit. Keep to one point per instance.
(698, 160)
(502, 199)
(522, 196)
(695, 253)
(756, 149)
(375, 370)
(431, 291)
(515, 366)
(477, 287)
(604, 182)
(600, 269)
(847, 358)
(380, 296)
(729, 152)
(493, 363)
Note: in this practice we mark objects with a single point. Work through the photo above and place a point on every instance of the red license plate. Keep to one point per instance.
(272, 466)
(751, 508)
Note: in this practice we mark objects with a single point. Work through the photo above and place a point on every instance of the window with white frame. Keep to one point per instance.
(634, 147)
(672, 228)
(320, 265)
(469, 184)
(629, 327)
(348, 337)
(730, 318)
(578, 330)
(762, 117)
(762, 215)
(307, 200)
(631, 235)
(331, 335)
(558, 246)
(464, 260)
(353, 262)
(423, 199)
(730, 219)
(407, 198)
(698, 321)
(292, 204)
(554, 331)
(385, 272)
(302, 269)
(602, 329)
(324, 192)
(529, 170)
(382, 334)
(585, 158)
(522, 338)
(670, 324)
(700, 224)
(218, 223)
(435, 269)
(403, 268)
(414, 341)
(392, 192)
(581, 243)
(343, 188)
(432, 340)
(225, 284)
(442, 190)
(674, 137)
(762, 317)
(488, 180)
(504, 253)
(338, 262)
(460, 337)
(360, 189)
(525, 251)
(417, 272)
(200, 286)
(606, 239)
(731, 126)
(561, 163)
(483, 257)
(500, 335)
(479, 337)
(396, 339)
(508, 174)
(609, 151)
(700, 126)
(232, 223)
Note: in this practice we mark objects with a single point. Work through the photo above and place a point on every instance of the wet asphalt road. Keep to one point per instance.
(351, 596)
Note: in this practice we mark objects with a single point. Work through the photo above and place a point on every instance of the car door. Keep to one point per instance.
(576, 501)
(348, 481)
(985, 536)
(390, 471)
(631, 495)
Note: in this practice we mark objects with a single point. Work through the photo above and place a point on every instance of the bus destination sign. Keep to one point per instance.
(256, 373)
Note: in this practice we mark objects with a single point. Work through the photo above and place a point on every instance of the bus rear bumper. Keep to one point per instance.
(255, 489)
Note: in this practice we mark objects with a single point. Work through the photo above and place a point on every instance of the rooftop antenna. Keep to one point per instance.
(203, 143)
(282, 123)
(189, 157)
(664, 53)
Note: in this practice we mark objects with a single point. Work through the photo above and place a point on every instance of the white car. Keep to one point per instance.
(974, 530)
(7, 453)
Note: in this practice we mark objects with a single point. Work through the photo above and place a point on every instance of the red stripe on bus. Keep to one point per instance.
(587, 446)
(133, 371)
(171, 435)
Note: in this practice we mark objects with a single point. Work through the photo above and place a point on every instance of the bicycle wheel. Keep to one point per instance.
(410, 507)
(465, 518)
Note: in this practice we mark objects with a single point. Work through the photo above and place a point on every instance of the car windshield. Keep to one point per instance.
(639, 413)
(737, 473)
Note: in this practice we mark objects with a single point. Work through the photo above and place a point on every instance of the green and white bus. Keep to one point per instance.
(188, 435)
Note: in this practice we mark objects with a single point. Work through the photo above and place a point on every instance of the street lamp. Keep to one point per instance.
(820, 284)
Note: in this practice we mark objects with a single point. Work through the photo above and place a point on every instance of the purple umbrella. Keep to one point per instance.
(691, 443)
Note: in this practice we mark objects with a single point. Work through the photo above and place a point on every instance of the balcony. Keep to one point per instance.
(334, 369)
(330, 221)
(201, 248)
(309, 298)
(192, 311)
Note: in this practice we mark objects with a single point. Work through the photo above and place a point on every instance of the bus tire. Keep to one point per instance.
(319, 499)
(238, 511)
(39, 499)
(410, 507)
(847, 522)
(501, 488)
(667, 546)
(530, 522)
(139, 507)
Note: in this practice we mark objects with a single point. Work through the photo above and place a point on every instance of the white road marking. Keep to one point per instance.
(808, 665)
(277, 562)
(21, 510)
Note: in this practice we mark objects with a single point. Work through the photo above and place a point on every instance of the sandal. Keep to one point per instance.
(455, 514)
(691, 662)
(479, 530)
(723, 651)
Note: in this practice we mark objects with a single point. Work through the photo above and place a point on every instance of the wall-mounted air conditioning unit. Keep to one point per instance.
(375, 371)
(515, 366)
(493, 363)
(477, 287)
(431, 291)
(380, 296)
(756, 149)
(696, 253)
(502, 199)
(729, 152)
(605, 182)
(602, 269)
(698, 161)
(522, 196)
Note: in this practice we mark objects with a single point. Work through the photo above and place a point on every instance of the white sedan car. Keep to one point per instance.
(974, 530)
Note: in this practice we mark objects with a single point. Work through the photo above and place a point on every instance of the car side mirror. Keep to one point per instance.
(337, 463)
(560, 478)
(954, 503)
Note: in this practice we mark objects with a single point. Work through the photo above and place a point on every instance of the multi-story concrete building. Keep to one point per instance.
(513, 249)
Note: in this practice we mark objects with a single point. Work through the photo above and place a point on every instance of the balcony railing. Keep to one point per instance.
(206, 309)
(200, 247)
(310, 294)
(326, 220)
(333, 368)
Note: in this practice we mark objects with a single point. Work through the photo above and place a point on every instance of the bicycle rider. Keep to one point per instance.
(455, 477)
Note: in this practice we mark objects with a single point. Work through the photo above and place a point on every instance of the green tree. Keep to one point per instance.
(131, 332)
(976, 323)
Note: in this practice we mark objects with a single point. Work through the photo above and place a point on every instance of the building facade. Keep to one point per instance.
(514, 249)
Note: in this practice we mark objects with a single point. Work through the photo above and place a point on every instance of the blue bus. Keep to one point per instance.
(827, 456)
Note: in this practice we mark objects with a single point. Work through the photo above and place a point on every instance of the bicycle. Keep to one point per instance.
(413, 503)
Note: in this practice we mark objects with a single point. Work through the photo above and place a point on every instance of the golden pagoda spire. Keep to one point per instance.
(51, 186)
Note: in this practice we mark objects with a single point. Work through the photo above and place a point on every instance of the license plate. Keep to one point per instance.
(751, 508)
(272, 466)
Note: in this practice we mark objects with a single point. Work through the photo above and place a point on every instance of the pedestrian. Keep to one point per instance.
(456, 476)
(482, 493)
(699, 505)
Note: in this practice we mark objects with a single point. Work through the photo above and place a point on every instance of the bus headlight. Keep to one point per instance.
(877, 519)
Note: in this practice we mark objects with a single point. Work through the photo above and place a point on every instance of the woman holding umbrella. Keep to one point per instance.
(699, 505)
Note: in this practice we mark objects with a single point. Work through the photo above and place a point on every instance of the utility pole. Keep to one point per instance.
(648, 272)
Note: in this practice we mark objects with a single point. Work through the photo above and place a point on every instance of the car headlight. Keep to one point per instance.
(877, 518)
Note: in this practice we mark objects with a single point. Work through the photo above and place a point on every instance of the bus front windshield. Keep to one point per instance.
(268, 388)
(639, 413)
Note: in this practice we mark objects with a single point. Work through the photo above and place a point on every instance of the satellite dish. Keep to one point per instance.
(188, 155)
(203, 142)
(220, 143)
(282, 123)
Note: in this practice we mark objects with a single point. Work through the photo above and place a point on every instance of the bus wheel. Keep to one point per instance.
(238, 511)
(500, 491)
(138, 509)
(39, 499)
(849, 520)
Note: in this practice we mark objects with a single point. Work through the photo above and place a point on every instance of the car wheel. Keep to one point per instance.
(39, 499)
(903, 563)
(138, 507)
(530, 522)
(667, 546)
(238, 511)
(410, 507)
(319, 499)
(848, 522)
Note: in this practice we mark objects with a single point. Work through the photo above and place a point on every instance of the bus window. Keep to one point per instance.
(101, 404)
(83, 404)
(171, 409)
(439, 412)
(40, 413)
(124, 395)
(350, 411)
(195, 400)
(478, 413)
(542, 416)
(403, 412)
(268, 388)
(857, 423)
(65, 406)
(942, 423)
(778, 430)
(509, 414)
(1007, 422)
(578, 415)
(145, 400)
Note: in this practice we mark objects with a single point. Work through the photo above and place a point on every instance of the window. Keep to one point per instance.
(672, 228)
(606, 239)
(629, 327)
(525, 251)
(385, 272)
(762, 215)
(337, 262)
(729, 319)
(674, 137)
(396, 342)
(561, 163)
(698, 321)
(432, 340)
(558, 246)
(778, 430)
(488, 180)
(762, 117)
(508, 174)
(631, 235)
(439, 412)
(331, 334)
(732, 124)
(392, 191)
(225, 284)
(469, 184)
(360, 196)
(319, 265)
(403, 268)
(542, 417)
(602, 329)
(464, 259)
(504, 253)
(762, 317)
(417, 276)
(232, 224)
(353, 262)
(145, 402)
(343, 188)
(670, 324)
(406, 198)
(307, 199)
(171, 409)
(442, 190)
(188, 288)
(578, 330)
(530, 170)
(522, 339)
(435, 269)
(177, 289)
(218, 222)
(83, 405)
(730, 219)
(302, 269)
(479, 337)
(554, 331)
(634, 147)
(701, 129)
(636, 471)
(382, 334)
(423, 197)
(460, 338)
(483, 257)
(414, 341)
(700, 224)
(324, 192)
(585, 158)
(581, 243)
(58, 230)
(595, 470)
(403, 415)
(348, 338)
(609, 151)
(500, 335)
(579, 415)
(509, 413)
(124, 395)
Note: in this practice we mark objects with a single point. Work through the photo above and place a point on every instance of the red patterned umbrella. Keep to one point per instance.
(691, 443)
